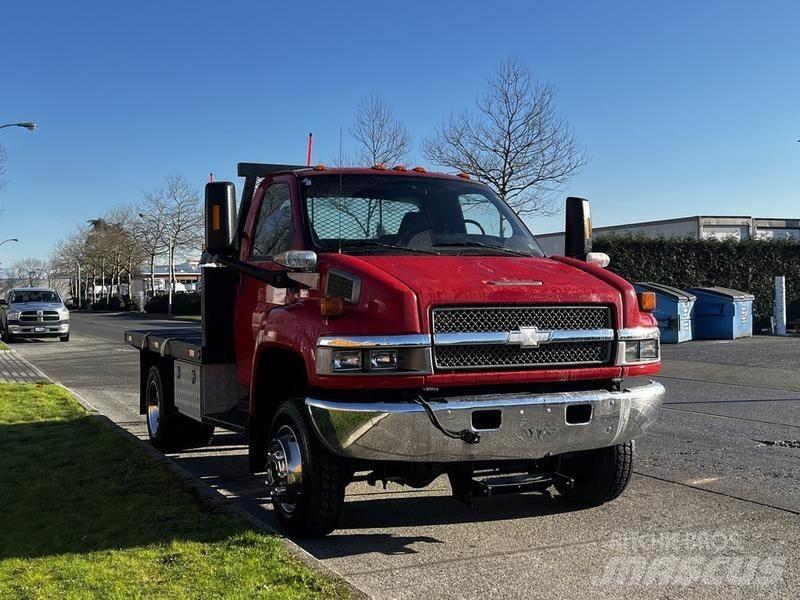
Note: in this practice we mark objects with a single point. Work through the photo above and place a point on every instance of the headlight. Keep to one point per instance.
(641, 351)
(638, 345)
(13, 315)
(346, 360)
(382, 359)
(406, 354)
(63, 312)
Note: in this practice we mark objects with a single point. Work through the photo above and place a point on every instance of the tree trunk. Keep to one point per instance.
(152, 274)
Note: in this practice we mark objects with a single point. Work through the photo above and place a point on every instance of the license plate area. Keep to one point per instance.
(39, 329)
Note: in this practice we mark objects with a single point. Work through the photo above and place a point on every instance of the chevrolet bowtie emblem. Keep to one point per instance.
(529, 337)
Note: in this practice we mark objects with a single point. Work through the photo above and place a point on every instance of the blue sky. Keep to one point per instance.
(684, 107)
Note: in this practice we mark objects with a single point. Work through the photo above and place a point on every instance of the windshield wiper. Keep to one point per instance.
(378, 244)
(482, 245)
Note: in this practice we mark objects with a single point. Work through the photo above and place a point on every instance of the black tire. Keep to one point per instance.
(319, 504)
(599, 475)
(64, 338)
(167, 429)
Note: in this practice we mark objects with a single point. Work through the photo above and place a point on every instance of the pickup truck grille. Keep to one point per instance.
(31, 316)
(486, 353)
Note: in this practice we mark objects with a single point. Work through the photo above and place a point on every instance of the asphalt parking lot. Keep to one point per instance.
(717, 481)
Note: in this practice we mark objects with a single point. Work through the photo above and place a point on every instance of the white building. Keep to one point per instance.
(699, 227)
(187, 277)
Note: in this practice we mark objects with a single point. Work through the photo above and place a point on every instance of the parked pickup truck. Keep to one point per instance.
(397, 325)
(33, 313)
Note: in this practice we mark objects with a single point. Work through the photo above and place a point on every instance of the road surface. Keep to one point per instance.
(717, 482)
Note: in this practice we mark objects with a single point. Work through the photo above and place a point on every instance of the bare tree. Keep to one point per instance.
(515, 141)
(382, 138)
(129, 248)
(31, 272)
(69, 258)
(175, 212)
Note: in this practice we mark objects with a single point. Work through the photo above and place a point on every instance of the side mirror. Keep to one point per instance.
(578, 229)
(220, 217)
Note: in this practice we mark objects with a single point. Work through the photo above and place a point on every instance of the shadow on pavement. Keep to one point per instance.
(376, 513)
(335, 546)
(157, 321)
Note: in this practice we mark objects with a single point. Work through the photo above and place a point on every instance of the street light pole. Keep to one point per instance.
(26, 125)
(9, 240)
(78, 281)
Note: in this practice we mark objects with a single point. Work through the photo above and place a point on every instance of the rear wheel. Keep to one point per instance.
(306, 482)
(167, 429)
(598, 475)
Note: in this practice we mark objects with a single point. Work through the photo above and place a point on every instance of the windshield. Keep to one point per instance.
(392, 214)
(34, 296)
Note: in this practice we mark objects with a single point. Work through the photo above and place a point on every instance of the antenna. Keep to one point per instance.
(309, 148)
(340, 187)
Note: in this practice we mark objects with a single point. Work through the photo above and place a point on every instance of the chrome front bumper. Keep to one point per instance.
(531, 426)
(38, 328)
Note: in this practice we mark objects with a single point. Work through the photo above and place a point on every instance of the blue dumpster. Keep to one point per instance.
(722, 313)
(673, 311)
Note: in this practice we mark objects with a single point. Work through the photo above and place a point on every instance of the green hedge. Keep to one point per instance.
(183, 303)
(749, 266)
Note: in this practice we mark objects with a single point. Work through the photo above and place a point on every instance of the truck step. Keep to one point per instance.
(510, 484)
(234, 419)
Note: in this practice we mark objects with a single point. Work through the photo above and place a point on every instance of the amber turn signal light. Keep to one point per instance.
(647, 301)
(331, 306)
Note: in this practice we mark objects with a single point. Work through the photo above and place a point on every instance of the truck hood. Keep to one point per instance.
(465, 280)
(35, 306)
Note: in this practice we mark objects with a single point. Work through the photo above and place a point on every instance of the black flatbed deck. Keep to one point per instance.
(182, 343)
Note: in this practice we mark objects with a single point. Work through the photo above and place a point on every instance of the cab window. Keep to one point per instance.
(274, 229)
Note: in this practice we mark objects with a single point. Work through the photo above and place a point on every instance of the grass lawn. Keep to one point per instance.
(3, 347)
(84, 513)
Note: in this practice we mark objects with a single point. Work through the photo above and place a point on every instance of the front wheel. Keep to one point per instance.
(598, 476)
(64, 338)
(306, 481)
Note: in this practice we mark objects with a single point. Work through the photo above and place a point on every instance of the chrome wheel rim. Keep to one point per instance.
(285, 469)
(153, 399)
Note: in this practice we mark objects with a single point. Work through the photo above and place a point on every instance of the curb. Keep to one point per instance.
(208, 495)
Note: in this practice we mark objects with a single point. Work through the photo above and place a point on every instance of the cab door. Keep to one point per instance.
(269, 230)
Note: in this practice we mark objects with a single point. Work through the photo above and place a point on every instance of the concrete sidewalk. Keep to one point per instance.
(15, 369)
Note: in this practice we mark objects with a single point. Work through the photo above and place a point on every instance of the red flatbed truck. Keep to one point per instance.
(397, 325)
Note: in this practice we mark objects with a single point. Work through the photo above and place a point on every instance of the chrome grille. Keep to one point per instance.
(501, 355)
(510, 319)
(28, 316)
